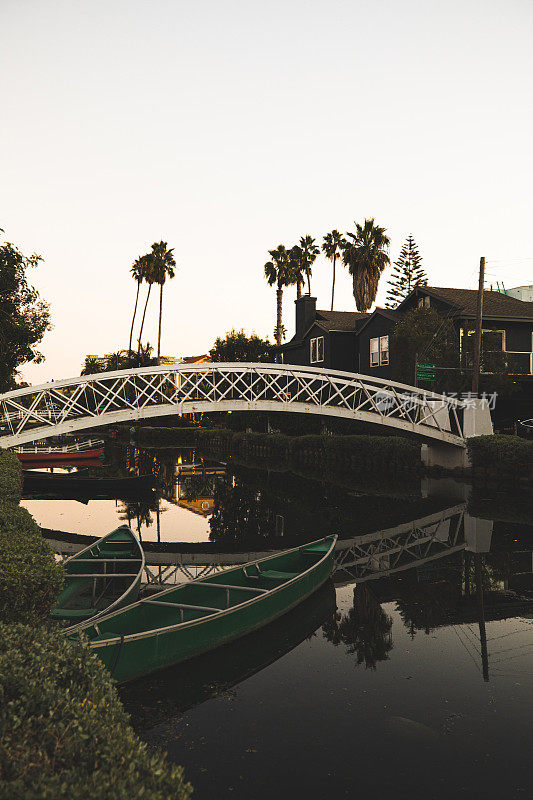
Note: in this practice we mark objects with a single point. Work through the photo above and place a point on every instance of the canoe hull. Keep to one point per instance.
(133, 658)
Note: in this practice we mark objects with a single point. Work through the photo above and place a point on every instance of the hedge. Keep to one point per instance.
(502, 455)
(63, 731)
(10, 477)
(30, 577)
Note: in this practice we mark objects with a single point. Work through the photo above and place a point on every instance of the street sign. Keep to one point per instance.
(426, 372)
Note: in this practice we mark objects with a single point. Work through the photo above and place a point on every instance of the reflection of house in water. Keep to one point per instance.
(195, 483)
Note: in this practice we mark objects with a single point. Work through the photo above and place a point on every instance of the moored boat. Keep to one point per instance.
(194, 617)
(102, 577)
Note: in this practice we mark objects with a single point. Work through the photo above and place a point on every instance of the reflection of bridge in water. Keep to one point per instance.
(361, 558)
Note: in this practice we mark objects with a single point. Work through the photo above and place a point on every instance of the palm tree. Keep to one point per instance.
(137, 271)
(332, 247)
(279, 271)
(310, 250)
(148, 275)
(297, 267)
(163, 264)
(366, 256)
(92, 366)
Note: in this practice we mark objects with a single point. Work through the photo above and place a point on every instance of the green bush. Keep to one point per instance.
(10, 477)
(500, 453)
(30, 577)
(63, 731)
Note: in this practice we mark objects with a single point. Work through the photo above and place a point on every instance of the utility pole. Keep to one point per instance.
(479, 323)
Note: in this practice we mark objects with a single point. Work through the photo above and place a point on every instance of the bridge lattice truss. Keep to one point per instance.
(111, 397)
(363, 558)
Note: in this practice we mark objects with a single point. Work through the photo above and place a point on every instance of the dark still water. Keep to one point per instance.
(408, 674)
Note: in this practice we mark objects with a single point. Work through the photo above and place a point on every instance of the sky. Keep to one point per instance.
(226, 128)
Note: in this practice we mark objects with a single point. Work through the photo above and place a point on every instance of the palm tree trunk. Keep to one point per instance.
(279, 322)
(308, 282)
(142, 321)
(333, 284)
(160, 316)
(133, 320)
(298, 290)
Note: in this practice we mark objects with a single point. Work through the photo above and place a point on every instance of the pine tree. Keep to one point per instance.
(408, 272)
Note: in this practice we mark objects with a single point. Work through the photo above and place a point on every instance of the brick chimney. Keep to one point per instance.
(305, 314)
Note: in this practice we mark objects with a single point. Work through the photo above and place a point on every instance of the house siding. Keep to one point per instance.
(378, 326)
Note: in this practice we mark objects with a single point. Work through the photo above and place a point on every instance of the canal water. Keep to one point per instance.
(408, 674)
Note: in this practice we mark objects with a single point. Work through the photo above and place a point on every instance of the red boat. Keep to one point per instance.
(53, 457)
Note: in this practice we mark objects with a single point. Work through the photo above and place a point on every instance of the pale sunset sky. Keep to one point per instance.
(226, 128)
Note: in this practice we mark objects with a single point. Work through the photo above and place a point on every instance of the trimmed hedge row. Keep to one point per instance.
(30, 577)
(10, 477)
(63, 731)
(332, 453)
(507, 457)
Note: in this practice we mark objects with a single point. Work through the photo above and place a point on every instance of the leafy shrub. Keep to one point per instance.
(10, 477)
(501, 453)
(63, 731)
(30, 577)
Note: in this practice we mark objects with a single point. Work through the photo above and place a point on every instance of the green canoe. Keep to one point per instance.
(197, 616)
(102, 577)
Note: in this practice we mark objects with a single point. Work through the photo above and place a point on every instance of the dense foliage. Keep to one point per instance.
(10, 477)
(423, 335)
(63, 731)
(237, 346)
(30, 577)
(408, 272)
(505, 455)
(24, 317)
(366, 256)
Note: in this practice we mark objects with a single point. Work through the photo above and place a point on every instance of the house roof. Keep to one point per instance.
(495, 304)
(340, 320)
(388, 313)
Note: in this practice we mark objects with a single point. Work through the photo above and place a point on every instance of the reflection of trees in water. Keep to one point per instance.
(365, 629)
(140, 512)
(192, 487)
(240, 511)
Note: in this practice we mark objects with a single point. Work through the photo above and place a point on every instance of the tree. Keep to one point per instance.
(296, 260)
(137, 270)
(24, 317)
(423, 335)
(92, 366)
(279, 271)
(408, 272)
(332, 247)
(148, 274)
(162, 266)
(309, 250)
(366, 257)
(237, 346)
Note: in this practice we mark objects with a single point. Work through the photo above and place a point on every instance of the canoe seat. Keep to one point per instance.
(276, 575)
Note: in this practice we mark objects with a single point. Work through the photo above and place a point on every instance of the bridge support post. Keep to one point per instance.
(476, 422)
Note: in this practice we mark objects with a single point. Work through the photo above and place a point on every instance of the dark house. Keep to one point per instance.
(355, 342)
(323, 338)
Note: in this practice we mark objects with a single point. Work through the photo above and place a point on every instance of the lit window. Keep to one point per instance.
(312, 348)
(384, 350)
(374, 352)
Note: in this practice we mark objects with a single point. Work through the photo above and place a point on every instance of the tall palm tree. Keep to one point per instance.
(298, 269)
(148, 275)
(366, 256)
(310, 250)
(332, 247)
(137, 271)
(163, 264)
(279, 271)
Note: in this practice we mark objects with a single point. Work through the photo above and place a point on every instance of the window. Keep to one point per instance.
(424, 302)
(374, 352)
(379, 351)
(384, 350)
(316, 348)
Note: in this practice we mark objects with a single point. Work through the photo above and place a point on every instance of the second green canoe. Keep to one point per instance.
(192, 618)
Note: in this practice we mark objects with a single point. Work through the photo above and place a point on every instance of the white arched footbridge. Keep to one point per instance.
(107, 398)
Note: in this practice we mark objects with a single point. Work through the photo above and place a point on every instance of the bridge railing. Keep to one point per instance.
(104, 398)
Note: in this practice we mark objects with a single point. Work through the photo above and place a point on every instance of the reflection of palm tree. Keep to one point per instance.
(366, 629)
(139, 510)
